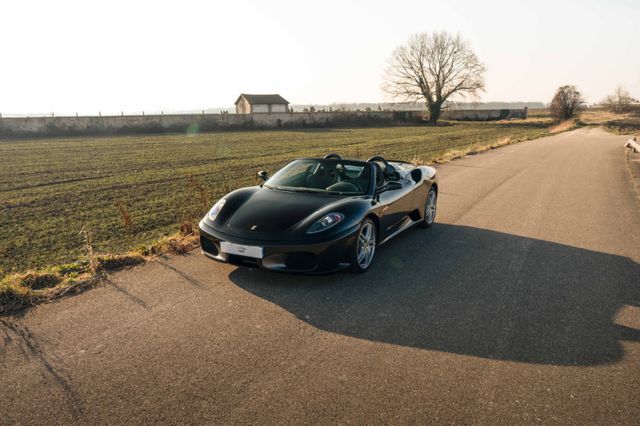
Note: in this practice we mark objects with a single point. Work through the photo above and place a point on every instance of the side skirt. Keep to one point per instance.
(409, 224)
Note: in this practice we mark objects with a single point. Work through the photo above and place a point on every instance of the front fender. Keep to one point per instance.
(354, 211)
(234, 200)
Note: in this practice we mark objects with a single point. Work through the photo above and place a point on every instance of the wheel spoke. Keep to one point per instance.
(430, 208)
(366, 245)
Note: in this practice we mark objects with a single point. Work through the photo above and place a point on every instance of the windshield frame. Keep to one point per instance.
(370, 190)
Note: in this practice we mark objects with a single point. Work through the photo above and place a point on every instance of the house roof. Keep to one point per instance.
(262, 99)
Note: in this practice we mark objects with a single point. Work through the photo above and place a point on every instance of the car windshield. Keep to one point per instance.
(323, 176)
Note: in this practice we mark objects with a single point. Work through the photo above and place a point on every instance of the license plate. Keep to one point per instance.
(242, 250)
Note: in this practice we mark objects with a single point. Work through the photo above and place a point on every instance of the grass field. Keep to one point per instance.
(131, 190)
(623, 124)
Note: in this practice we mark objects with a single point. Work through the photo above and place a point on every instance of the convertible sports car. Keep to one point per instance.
(320, 214)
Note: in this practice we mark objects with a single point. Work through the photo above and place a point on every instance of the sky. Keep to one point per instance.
(110, 56)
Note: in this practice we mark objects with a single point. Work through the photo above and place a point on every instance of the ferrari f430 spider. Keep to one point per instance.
(320, 214)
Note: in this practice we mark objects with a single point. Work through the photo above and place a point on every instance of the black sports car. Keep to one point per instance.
(320, 214)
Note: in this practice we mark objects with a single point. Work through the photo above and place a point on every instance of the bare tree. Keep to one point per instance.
(620, 101)
(434, 68)
(566, 103)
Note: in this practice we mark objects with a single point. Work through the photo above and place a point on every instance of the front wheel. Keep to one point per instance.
(430, 208)
(365, 247)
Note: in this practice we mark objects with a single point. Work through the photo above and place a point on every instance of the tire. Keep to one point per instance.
(430, 208)
(364, 249)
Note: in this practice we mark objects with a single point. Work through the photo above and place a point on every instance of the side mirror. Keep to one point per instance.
(263, 175)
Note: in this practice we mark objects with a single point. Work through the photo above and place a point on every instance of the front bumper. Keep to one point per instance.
(309, 258)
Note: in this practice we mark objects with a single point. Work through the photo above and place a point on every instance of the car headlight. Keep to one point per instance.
(216, 209)
(326, 222)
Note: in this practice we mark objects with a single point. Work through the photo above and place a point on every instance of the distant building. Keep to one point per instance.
(253, 104)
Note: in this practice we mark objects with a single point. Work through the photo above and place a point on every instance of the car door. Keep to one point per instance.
(420, 189)
(395, 206)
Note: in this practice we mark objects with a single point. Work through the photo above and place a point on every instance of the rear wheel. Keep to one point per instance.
(430, 208)
(365, 247)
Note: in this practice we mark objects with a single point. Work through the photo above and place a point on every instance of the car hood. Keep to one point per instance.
(272, 211)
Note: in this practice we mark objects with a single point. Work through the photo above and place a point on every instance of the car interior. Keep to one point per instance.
(338, 177)
(385, 172)
(335, 176)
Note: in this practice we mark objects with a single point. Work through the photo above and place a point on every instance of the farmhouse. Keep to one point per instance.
(252, 104)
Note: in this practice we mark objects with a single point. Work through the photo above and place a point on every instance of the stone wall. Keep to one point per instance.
(194, 123)
(133, 124)
(484, 114)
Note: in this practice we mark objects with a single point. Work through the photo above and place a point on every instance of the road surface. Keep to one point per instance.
(522, 305)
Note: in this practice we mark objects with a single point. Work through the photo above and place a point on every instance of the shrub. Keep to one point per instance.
(566, 103)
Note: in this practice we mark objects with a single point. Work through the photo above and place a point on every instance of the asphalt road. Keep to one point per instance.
(522, 305)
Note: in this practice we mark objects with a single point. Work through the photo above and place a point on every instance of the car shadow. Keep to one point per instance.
(474, 292)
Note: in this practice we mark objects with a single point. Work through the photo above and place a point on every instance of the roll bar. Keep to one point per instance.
(332, 156)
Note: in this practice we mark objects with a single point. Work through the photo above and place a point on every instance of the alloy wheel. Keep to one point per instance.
(366, 245)
(430, 208)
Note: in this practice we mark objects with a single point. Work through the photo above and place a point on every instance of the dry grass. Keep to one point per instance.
(176, 244)
(125, 216)
(563, 126)
(195, 187)
(38, 280)
(19, 291)
(472, 150)
(628, 125)
(598, 116)
(13, 295)
(88, 242)
(619, 123)
(113, 262)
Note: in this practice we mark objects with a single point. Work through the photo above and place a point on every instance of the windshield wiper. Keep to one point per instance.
(306, 190)
(281, 188)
